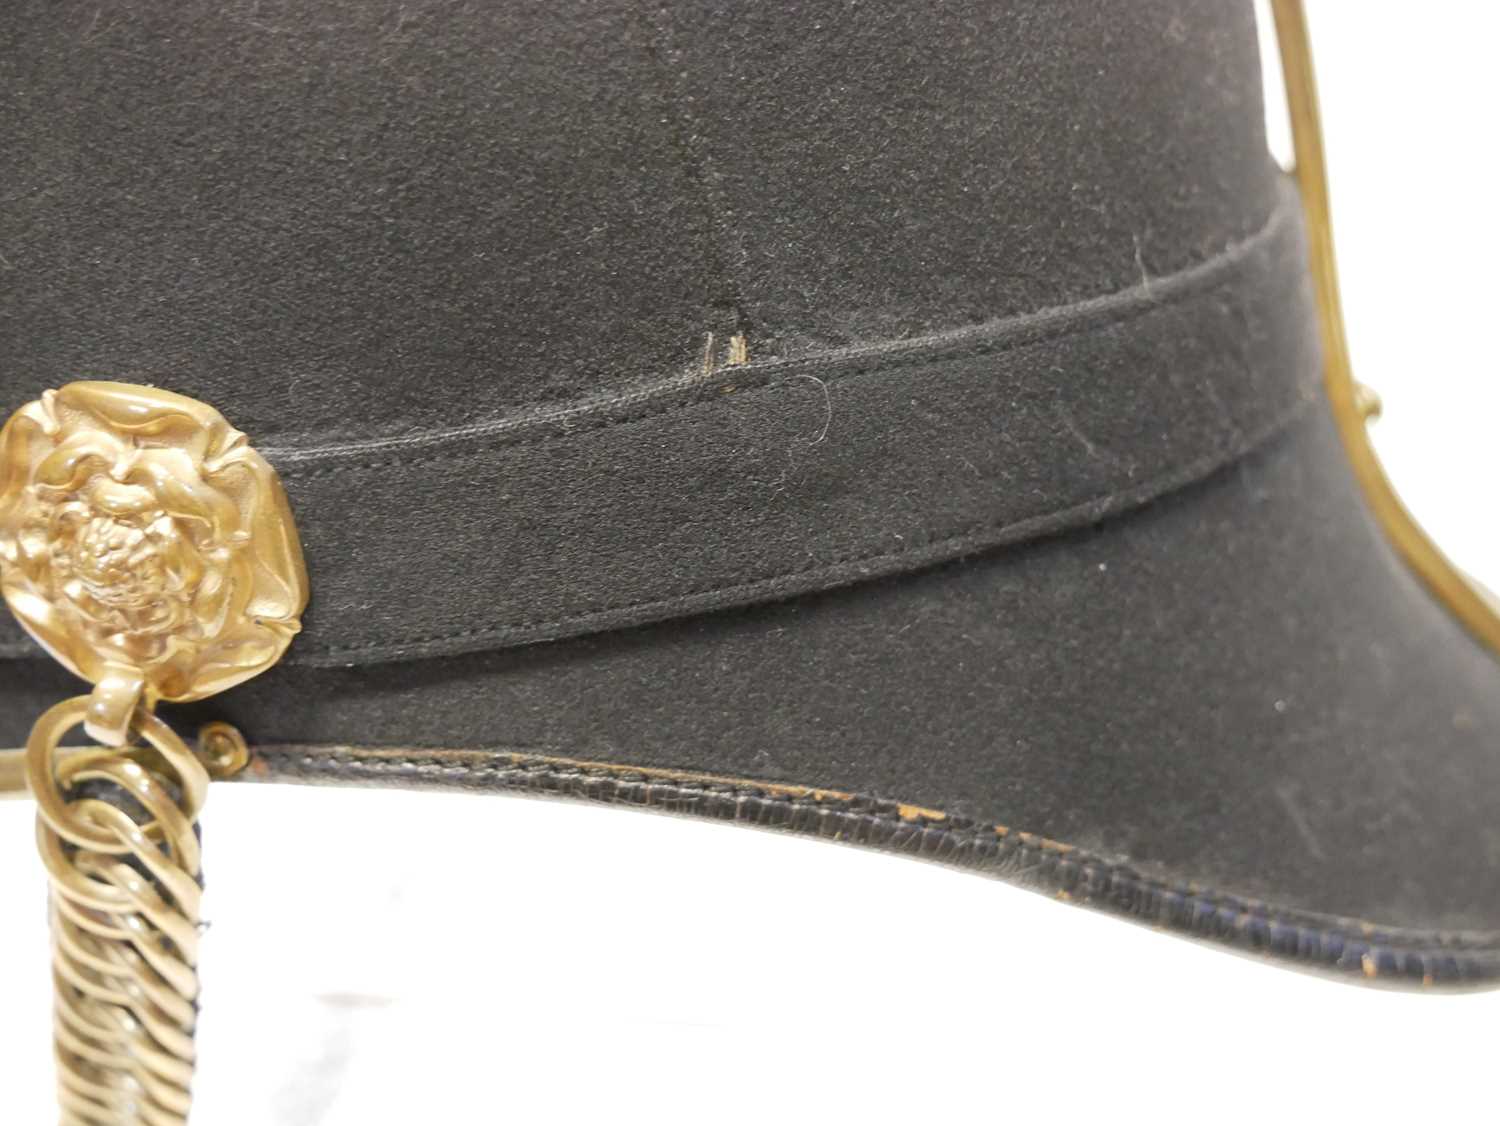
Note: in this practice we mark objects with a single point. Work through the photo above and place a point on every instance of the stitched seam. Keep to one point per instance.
(1017, 333)
(1417, 942)
(683, 133)
(931, 542)
(934, 541)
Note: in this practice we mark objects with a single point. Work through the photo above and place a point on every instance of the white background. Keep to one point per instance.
(397, 958)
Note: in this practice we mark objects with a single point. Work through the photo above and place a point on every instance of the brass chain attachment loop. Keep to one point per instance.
(151, 550)
(117, 831)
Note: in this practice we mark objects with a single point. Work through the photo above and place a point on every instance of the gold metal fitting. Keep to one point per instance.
(149, 549)
(1353, 405)
(146, 546)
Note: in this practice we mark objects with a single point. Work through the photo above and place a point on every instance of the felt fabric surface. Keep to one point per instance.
(366, 217)
(1238, 685)
(773, 478)
(362, 229)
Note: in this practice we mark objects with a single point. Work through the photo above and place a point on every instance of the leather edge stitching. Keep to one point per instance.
(1311, 939)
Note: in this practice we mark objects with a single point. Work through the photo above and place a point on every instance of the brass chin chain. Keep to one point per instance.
(148, 548)
(151, 550)
(126, 874)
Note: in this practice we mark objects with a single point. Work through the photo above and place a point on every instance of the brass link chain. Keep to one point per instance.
(117, 832)
(147, 546)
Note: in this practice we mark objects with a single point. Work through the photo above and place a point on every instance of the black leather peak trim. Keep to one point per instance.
(1349, 947)
(766, 480)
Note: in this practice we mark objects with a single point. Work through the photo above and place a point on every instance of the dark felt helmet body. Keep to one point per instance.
(893, 422)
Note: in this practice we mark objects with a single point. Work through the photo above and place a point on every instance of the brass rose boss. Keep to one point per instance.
(149, 549)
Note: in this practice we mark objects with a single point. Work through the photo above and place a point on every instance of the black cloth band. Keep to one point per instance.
(768, 479)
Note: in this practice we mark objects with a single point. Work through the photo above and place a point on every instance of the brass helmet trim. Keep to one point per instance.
(1352, 406)
(146, 546)
(150, 550)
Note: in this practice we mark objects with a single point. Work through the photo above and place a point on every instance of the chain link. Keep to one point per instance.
(117, 831)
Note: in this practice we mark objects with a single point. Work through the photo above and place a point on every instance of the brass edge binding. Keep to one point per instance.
(1352, 404)
(150, 550)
